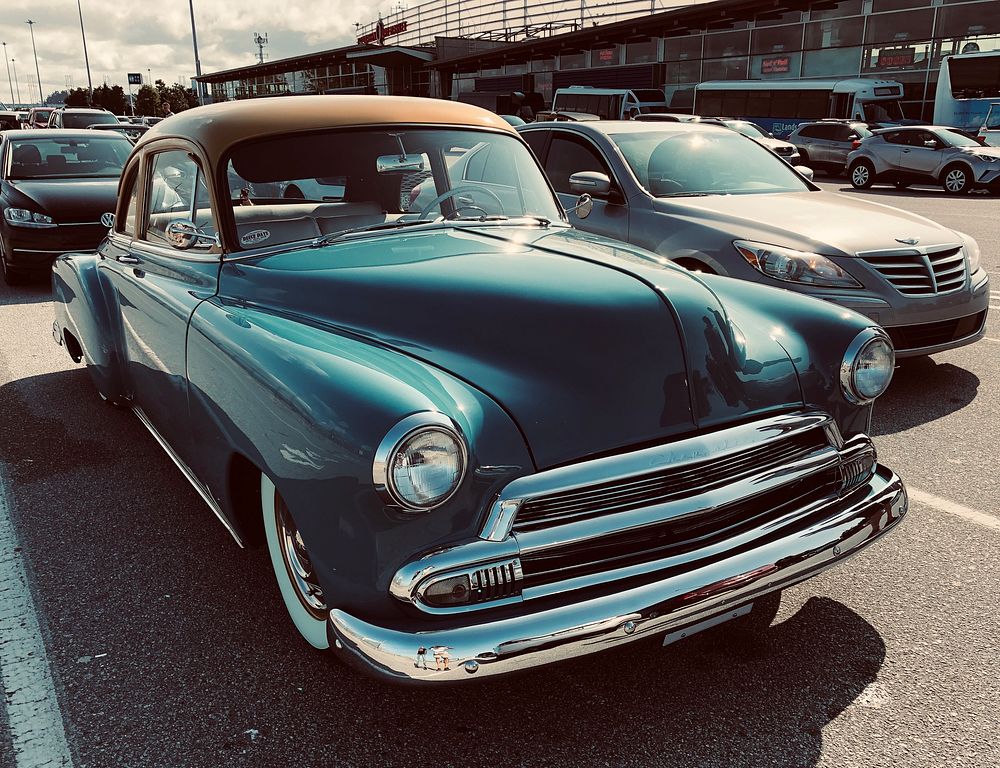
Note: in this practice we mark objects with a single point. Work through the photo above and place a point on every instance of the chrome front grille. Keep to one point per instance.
(665, 484)
(920, 271)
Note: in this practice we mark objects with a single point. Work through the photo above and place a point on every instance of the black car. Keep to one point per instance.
(80, 117)
(55, 186)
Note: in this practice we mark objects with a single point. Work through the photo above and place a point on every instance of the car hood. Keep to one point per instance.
(774, 143)
(589, 345)
(819, 222)
(66, 200)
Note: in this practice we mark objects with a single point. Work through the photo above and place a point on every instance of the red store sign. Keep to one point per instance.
(773, 65)
(899, 57)
(381, 32)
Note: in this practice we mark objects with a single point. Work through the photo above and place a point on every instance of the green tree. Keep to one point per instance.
(147, 101)
(111, 98)
(57, 97)
(77, 98)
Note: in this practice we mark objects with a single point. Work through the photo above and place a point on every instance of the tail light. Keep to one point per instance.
(855, 144)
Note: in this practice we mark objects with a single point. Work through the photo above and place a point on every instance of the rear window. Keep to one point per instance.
(82, 120)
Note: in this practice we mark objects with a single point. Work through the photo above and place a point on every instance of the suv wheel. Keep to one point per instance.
(862, 174)
(956, 180)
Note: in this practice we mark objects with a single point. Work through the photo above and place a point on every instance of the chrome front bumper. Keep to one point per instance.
(706, 591)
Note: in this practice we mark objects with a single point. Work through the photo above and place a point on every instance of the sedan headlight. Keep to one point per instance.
(794, 266)
(20, 217)
(867, 368)
(420, 462)
(971, 250)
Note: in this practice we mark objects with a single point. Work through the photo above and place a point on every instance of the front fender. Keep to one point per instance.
(309, 406)
(82, 312)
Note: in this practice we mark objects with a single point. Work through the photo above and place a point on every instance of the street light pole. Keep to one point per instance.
(9, 81)
(86, 59)
(14, 65)
(197, 61)
(38, 76)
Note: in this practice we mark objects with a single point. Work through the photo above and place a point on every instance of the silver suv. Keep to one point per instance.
(825, 145)
(925, 155)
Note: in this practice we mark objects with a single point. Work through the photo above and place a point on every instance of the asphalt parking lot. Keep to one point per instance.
(166, 645)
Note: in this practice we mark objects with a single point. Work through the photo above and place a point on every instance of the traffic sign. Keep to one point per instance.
(135, 78)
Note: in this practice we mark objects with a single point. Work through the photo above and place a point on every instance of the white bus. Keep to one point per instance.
(967, 85)
(609, 103)
(780, 105)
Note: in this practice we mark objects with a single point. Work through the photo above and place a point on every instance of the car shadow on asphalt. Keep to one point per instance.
(914, 192)
(34, 292)
(922, 390)
(707, 701)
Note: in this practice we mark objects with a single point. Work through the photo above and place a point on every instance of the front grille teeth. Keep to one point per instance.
(914, 272)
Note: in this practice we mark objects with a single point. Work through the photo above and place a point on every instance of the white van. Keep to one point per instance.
(609, 103)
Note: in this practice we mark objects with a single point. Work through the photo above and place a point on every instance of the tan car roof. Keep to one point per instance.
(217, 127)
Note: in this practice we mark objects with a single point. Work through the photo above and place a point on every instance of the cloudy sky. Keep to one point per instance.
(139, 35)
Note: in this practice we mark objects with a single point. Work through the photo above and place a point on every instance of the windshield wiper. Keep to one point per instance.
(688, 194)
(541, 220)
(334, 236)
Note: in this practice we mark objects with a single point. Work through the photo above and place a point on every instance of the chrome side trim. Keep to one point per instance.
(704, 591)
(439, 562)
(500, 519)
(186, 471)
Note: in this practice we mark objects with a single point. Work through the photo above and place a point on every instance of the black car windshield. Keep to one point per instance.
(705, 163)
(83, 119)
(67, 157)
(317, 185)
(956, 138)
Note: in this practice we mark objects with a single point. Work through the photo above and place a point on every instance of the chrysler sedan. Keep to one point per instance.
(472, 439)
(715, 201)
(54, 187)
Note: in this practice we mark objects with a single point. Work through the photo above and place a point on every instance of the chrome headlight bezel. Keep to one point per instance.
(756, 254)
(22, 217)
(396, 439)
(854, 354)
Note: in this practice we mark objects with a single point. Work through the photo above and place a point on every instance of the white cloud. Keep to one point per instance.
(139, 35)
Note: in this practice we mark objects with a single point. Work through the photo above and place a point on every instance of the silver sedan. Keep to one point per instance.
(925, 155)
(716, 201)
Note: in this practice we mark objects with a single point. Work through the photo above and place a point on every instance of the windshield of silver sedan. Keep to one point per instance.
(291, 188)
(65, 157)
(671, 164)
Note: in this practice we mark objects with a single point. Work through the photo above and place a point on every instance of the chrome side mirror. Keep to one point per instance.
(183, 234)
(805, 172)
(584, 205)
(590, 182)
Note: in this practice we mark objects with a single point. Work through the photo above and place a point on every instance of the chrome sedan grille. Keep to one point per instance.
(920, 272)
(784, 150)
(663, 485)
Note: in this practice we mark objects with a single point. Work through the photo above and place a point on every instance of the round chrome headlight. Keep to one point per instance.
(867, 368)
(420, 462)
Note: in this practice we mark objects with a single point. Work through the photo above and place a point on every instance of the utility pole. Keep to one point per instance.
(197, 61)
(38, 76)
(86, 59)
(9, 81)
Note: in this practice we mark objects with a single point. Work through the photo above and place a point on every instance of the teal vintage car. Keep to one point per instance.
(473, 439)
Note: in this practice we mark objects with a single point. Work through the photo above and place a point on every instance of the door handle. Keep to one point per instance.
(124, 259)
(905, 151)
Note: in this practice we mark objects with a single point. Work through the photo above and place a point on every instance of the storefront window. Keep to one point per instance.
(898, 5)
(730, 68)
(832, 62)
(894, 57)
(835, 10)
(971, 19)
(834, 33)
(641, 51)
(777, 39)
(572, 60)
(683, 72)
(605, 56)
(727, 44)
(896, 27)
(520, 68)
(543, 65)
(682, 48)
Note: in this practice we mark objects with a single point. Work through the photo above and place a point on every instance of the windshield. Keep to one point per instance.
(100, 157)
(747, 129)
(705, 163)
(956, 138)
(882, 111)
(339, 180)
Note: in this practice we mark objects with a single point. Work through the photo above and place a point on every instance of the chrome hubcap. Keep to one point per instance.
(955, 180)
(300, 568)
(860, 175)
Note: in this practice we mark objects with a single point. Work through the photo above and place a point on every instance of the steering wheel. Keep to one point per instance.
(457, 191)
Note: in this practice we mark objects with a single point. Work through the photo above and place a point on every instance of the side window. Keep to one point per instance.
(177, 191)
(808, 131)
(130, 189)
(535, 140)
(895, 137)
(569, 155)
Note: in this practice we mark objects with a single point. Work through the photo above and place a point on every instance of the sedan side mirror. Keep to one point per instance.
(805, 172)
(591, 183)
(183, 234)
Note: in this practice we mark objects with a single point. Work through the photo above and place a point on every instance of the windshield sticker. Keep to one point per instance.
(255, 237)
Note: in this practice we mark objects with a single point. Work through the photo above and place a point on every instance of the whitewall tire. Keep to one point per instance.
(292, 569)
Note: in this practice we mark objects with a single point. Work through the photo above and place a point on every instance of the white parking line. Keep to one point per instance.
(943, 505)
(36, 726)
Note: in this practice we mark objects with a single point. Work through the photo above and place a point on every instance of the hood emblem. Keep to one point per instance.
(908, 240)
